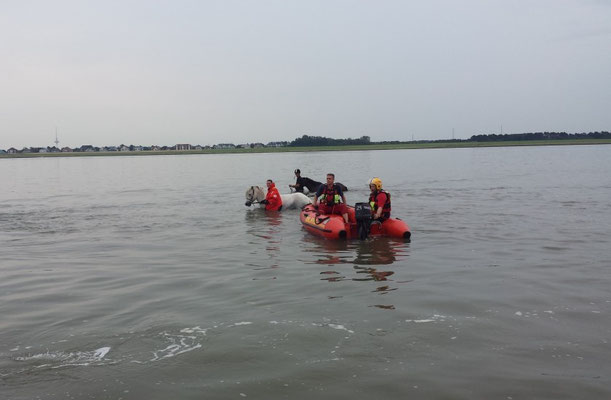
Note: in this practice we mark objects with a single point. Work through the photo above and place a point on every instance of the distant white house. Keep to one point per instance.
(183, 146)
(224, 146)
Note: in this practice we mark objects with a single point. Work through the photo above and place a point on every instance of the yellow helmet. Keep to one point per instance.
(377, 182)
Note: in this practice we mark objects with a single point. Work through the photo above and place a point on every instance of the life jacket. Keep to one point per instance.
(274, 201)
(330, 196)
(374, 204)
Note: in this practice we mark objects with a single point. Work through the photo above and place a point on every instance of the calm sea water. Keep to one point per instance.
(148, 278)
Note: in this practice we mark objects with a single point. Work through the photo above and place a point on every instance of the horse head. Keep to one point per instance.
(254, 194)
(250, 196)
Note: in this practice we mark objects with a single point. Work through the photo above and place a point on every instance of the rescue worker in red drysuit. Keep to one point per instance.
(330, 195)
(379, 200)
(273, 201)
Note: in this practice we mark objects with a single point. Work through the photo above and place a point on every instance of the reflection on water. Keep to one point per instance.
(257, 218)
(370, 260)
(373, 251)
(373, 274)
(379, 251)
(265, 225)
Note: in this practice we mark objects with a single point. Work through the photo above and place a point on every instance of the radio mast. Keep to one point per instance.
(56, 139)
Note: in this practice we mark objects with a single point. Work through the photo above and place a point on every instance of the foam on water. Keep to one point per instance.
(166, 344)
(241, 323)
(179, 344)
(195, 329)
(101, 352)
(434, 318)
(340, 327)
(59, 359)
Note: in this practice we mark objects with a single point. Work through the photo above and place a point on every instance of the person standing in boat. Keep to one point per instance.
(273, 201)
(332, 199)
(379, 200)
(299, 183)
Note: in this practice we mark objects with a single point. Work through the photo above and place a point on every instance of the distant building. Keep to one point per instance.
(66, 150)
(183, 146)
(224, 146)
(12, 150)
(123, 148)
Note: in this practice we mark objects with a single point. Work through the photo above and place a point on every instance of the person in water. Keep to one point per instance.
(299, 183)
(332, 199)
(273, 201)
(379, 200)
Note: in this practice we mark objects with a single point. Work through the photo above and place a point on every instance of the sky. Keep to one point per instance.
(244, 71)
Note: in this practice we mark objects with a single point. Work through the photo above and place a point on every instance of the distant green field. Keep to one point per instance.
(415, 145)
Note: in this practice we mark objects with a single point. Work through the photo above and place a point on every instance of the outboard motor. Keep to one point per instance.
(362, 213)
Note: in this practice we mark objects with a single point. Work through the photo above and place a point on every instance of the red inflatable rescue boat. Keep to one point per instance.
(333, 226)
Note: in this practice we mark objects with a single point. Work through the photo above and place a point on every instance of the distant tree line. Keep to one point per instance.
(539, 136)
(307, 140)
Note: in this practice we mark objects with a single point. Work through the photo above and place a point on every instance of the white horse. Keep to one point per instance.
(255, 194)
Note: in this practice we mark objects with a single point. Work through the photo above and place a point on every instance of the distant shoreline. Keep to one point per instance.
(364, 147)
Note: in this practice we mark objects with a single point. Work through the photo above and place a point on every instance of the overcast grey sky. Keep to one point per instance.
(205, 72)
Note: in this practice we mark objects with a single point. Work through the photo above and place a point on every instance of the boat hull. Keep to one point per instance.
(333, 226)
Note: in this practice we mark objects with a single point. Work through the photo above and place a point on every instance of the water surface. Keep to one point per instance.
(148, 278)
